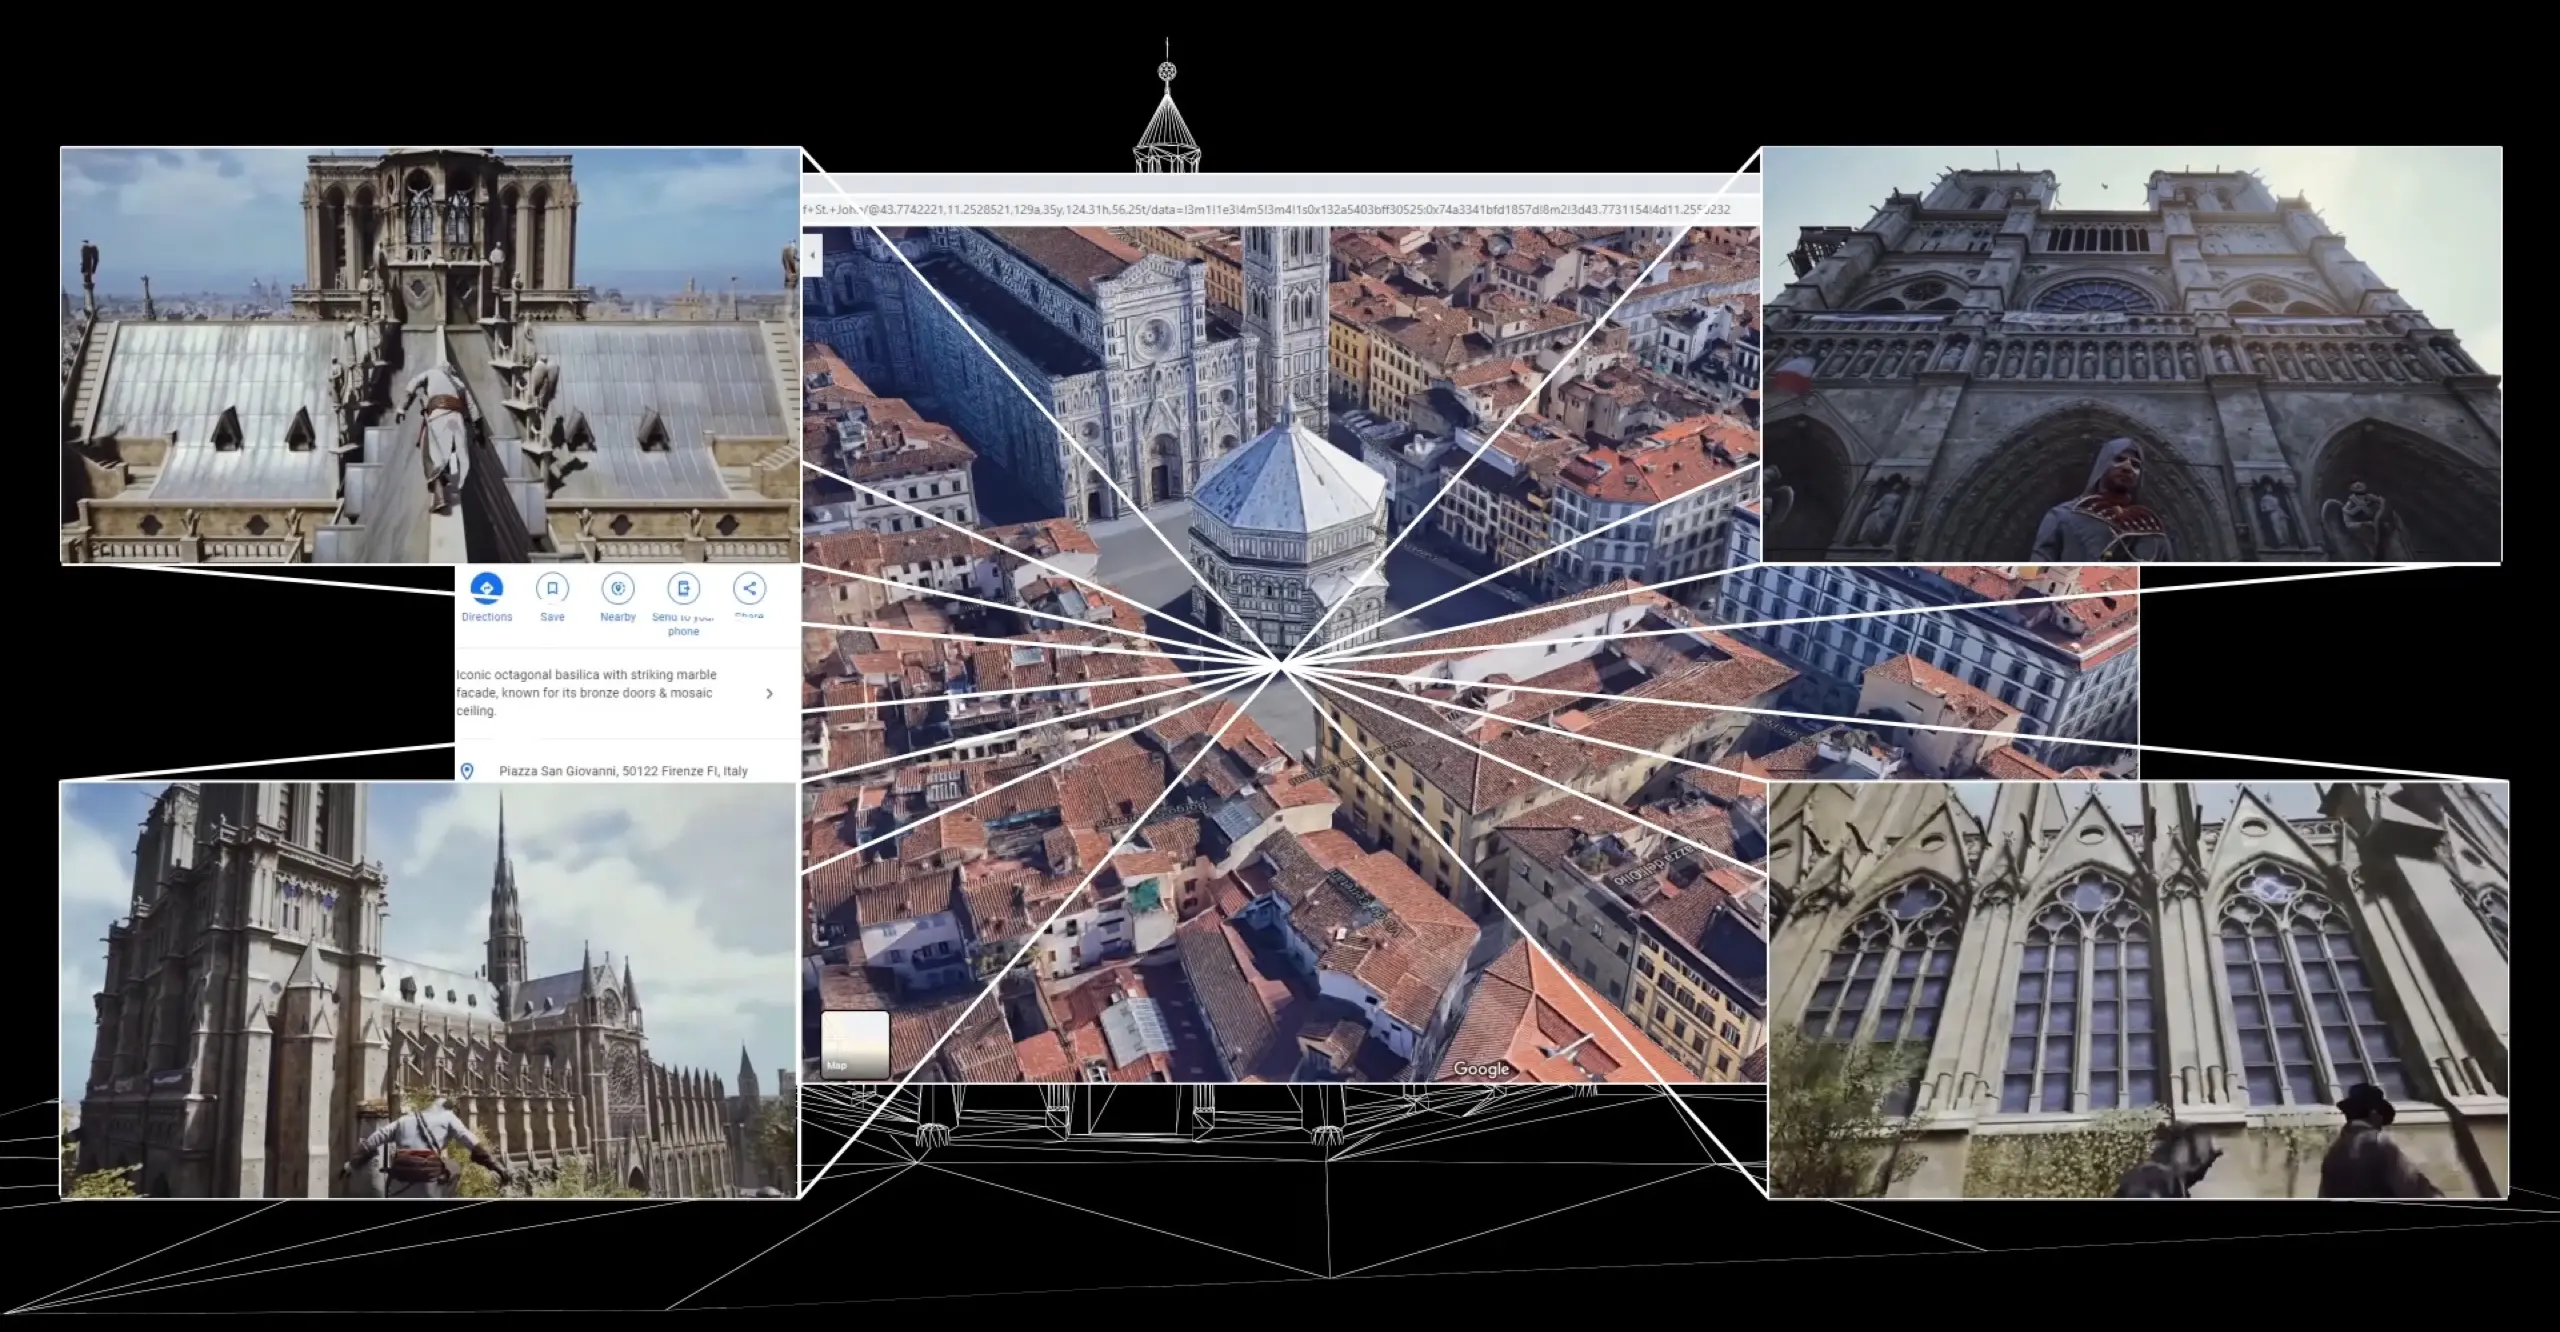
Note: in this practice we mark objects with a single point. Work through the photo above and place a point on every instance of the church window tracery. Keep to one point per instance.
(2082, 1020)
(2489, 903)
(2304, 1003)
(2096, 296)
(1887, 977)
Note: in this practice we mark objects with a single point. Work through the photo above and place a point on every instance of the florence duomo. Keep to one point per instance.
(254, 1028)
(2199, 369)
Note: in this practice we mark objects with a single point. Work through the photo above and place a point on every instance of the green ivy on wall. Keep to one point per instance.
(2074, 1163)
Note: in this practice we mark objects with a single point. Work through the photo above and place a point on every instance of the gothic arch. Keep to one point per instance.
(335, 268)
(1927, 290)
(2266, 293)
(1811, 459)
(1991, 512)
(2086, 1024)
(2309, 1009)
(1887, 974)
(2143, 283)
(2446, 503)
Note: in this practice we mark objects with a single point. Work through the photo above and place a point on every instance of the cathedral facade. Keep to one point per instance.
(252, 1030)
(1118, 346)
(2056, 958)
(1946, 374)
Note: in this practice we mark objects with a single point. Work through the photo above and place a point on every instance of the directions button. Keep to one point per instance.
(618, 588)
(749, 589)
(684, 588)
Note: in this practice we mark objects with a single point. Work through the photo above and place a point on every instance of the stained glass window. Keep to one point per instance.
(2084, 1005)
(2096, 296)
(1887, 978)
(2309, 1016)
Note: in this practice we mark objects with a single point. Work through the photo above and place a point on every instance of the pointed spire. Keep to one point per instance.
(587, 968)
(746, 1066)
(630, 990)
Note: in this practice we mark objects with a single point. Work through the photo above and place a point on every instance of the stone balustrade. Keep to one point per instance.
(2149, 348)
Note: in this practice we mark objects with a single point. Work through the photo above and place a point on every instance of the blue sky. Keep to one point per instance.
(2429, 221)
(697, 885)
(213, 218)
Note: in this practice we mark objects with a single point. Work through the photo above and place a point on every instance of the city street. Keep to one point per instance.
(1136, 564)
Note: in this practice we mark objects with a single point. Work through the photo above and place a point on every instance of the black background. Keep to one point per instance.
(149, 670)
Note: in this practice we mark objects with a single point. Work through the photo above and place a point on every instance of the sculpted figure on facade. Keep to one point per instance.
(2107, 523)
(2275, 524)
(1884, 513)
(2359, 527)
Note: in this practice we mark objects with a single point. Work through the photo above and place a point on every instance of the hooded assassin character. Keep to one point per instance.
(2107, 523)
(417, 1166)
(443, 430)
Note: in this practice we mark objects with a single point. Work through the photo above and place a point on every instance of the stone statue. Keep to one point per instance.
(2222, 357)
(194, 522)
(89, 273)
(2359, 527)
(791, 267)
(586, 524)
(2276, 526)
(337, 382)
(693, 524)
(1777, 499)
(2106, 524)
(293, 523)
(543, 382)
(1884, 513)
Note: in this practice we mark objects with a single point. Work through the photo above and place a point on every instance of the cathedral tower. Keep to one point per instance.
(506, 924)
(1285, 272)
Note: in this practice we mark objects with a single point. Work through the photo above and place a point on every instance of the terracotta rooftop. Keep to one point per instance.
(1526, 1017)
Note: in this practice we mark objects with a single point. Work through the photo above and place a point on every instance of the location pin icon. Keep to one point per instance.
(467, 770)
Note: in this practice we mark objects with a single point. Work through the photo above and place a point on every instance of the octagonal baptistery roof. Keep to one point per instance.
(1288, 480)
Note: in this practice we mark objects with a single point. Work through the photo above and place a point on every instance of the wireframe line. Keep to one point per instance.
(1599, 1008)
(1034, 561)
(316, 1262)
(965, 694)
(1750, 469)
(1213, 678)
(266, 763)
(1593, 599)
(1526, 1220)
(1487, 755)
(1679, 237)
(1556, 731)
(1908, 1226)
(829, 1214)
(1014, 642)
(2135, 594)
(1025, 611)
(42, 1300)
(1088, 1211)
(903, 829)
(1118, 844)
(1348, 677)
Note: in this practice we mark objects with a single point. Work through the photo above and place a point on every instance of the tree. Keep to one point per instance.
(1828, 1134)
(113, 1182)
(777, 1144)
(571, 1178)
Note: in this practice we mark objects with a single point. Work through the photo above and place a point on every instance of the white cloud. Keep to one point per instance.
(697, 886)
(725, 184)
(95, 872)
